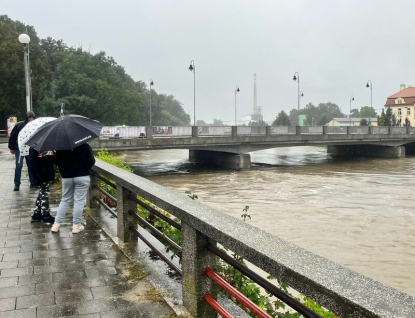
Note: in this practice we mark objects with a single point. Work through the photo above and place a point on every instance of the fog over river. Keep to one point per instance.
(359, 213)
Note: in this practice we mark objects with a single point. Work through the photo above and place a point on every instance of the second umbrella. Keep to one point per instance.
(65, 133)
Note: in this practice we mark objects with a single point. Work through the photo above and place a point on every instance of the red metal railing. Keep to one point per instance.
(235, 293)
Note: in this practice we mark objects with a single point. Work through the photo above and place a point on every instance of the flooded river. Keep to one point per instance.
(358, 213)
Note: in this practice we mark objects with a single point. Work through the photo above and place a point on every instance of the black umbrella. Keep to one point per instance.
(65, 133)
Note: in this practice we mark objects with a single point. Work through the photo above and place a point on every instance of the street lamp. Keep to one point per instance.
(351, 98)
(25, 40)
(237, 90)
(151, 84)
(192, 68)
(297, 76)
(367, 85)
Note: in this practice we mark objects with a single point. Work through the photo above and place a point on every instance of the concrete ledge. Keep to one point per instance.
(345, 292)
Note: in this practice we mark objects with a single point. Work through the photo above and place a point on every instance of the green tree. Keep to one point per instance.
(12, 76)
(407, 122)
(355, 113)
(217, 122)
(201, 123)
(282, 120)
(367, 111)
(364, 122)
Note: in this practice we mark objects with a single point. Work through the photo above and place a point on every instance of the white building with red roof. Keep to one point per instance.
(402, 105)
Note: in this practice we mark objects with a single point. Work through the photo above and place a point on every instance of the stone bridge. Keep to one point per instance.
(230, 146)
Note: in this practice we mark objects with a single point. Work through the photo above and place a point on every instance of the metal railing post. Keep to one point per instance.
(408, 130)
(298, 130)
(324, 130)
(195, 259)
(124, 219)
(349, 130)
(370, 130)
(93, 192)
(389, 130)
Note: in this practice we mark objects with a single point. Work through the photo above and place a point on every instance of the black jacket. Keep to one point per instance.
(42, 167)
(75, 163)
(13, 143)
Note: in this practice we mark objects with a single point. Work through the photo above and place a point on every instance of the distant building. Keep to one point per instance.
(256, 116)
(348, 121)
(402, 105)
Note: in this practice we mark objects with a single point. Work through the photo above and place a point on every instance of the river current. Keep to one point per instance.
(359, 213)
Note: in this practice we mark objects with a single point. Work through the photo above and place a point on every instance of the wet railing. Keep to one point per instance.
(205, 232)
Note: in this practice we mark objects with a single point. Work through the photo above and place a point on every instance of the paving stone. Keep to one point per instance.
(18, 256)
(94, 306)
(32, 262)
(7, 304)
(73, 295)
(22, 313)
(57, 310)
(10, 250)
(8, 282)
(16, 291)
(48, 269)
(35, 301)
(16, 272)
(42, 288)
(88, 283)
(35, 279)
(8, 264)
(98, 272)
(111, 291)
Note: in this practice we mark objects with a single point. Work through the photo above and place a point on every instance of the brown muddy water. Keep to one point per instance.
(359, 213)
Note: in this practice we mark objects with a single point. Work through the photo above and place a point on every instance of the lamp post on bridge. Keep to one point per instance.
(192, 68)
(295, 78)
(237, 90)
(25, 40)
(351, 98)
(151, 84)
(367, 85)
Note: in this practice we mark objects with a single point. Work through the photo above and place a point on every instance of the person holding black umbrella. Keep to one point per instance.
(74, 167)
(68, 136)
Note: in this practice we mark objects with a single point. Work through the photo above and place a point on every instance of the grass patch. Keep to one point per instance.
(135, 273)
(155, 295)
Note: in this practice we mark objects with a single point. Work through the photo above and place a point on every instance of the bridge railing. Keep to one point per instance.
(204, 229)
(397, 130)
(214, 130)
(312, 130)
(336, 129)
(226, 131)
(361, 130)
(251, 130)
(382, 130)
(283, 130)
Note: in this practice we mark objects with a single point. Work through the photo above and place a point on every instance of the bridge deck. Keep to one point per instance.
(44, 274)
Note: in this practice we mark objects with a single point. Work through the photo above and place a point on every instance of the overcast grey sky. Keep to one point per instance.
(336, 46)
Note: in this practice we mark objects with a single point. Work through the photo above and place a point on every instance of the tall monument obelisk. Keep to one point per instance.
(255, 101)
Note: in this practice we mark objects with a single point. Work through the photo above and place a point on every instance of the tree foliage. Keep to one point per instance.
(387, 119)
(317, 115)
(92, 85)
(282, 120)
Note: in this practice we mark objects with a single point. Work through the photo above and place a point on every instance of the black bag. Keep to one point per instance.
(42, 165)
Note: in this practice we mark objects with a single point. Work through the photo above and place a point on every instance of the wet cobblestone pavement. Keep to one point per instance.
(45, 274)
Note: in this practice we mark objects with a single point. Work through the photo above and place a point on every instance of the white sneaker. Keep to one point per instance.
(76, 228)
(55, 227)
